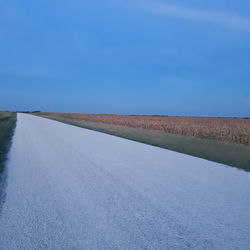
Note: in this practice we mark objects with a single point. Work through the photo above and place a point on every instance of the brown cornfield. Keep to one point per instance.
(223, 129)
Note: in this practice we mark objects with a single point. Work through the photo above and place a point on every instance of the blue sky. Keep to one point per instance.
(172, 57)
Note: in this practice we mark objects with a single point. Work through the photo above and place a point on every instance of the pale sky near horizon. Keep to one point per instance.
(168, 57)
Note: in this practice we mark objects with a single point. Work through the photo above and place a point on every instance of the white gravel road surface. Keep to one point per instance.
(72, 188)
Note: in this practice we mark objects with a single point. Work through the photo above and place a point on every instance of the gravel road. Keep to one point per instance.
(72, 188)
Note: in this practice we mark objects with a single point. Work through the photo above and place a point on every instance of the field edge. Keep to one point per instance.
(231, 154)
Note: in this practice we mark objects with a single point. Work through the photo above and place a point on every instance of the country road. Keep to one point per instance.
(72, 188)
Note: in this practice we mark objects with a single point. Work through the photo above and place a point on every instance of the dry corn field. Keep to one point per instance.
(223, 129)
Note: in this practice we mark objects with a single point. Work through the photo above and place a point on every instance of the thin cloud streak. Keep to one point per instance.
(220, 18)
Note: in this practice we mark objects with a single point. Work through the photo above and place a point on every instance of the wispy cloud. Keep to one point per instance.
(225, 19)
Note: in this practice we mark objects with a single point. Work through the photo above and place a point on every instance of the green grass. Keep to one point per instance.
(231, 154)
(7, 125)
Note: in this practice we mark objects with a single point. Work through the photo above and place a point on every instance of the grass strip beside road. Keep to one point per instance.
(231, 154)
(7, 125)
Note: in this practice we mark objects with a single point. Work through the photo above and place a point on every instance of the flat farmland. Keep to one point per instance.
(223, 129)
(223, 140)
